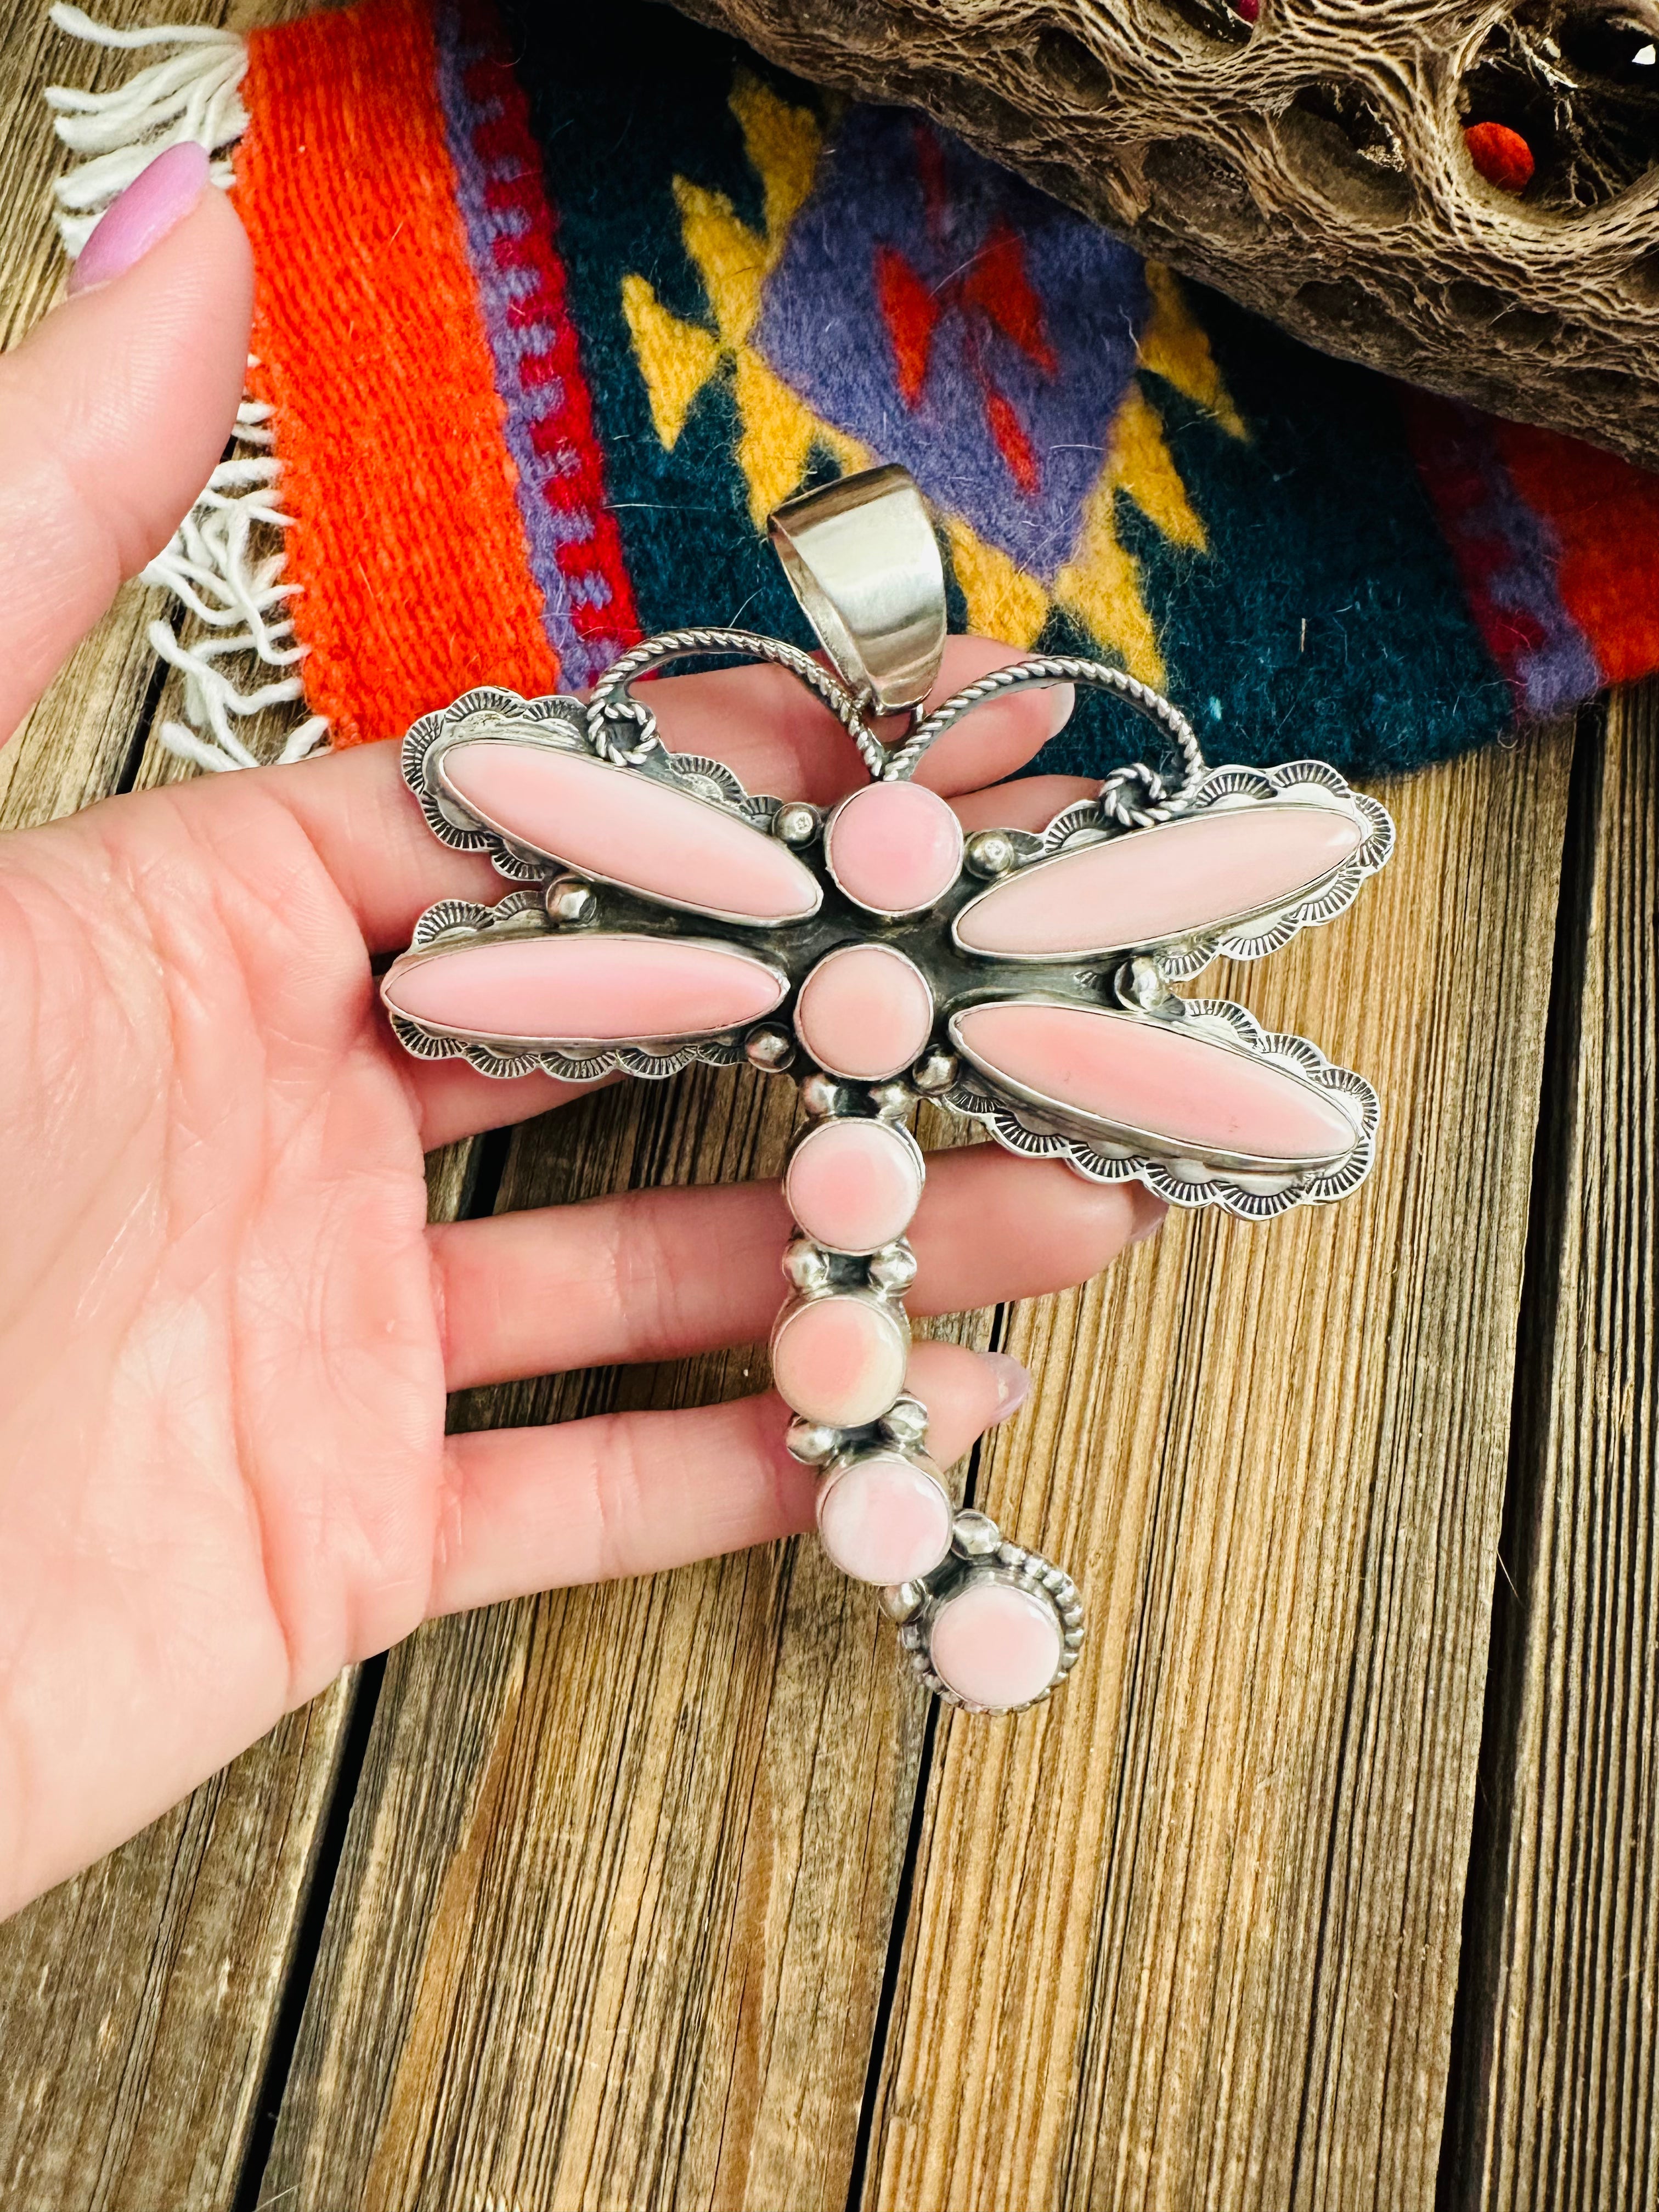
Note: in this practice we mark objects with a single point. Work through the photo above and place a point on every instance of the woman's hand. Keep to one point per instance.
(226, 1330)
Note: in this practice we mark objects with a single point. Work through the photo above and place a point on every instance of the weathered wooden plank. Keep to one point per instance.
(1189, 1938)
(137, 2001)
(611, 1924)
(609, 1929)
(1554, 2103)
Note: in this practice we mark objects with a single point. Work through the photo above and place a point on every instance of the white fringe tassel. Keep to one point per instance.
(218, 565)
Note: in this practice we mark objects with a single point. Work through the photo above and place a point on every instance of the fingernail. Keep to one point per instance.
(155, 202)
(1157, 1211)
(1062, 697)
(1013, 1384)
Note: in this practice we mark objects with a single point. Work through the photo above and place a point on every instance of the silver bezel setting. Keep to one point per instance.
(883, 913)
(453, 923)
(1246, 937)
(1007, 1563)
(1252, 1195)
(847, 1461)
(562, 725)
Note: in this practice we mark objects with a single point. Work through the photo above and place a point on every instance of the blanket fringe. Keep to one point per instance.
(225, 563)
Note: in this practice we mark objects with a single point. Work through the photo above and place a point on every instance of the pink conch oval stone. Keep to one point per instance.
(583, 989)
(631, 830)
(839, 1360)
(884, 1519)
(1169, 882)
(996, 1645)
(853, 1186)
(1136, 1075)
(865, 1012)
(894, 848)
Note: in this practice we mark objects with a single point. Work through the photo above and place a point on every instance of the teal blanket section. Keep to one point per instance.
(1326, 621)
(1324, 615)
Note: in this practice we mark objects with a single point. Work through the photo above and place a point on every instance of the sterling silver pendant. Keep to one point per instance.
(666, 915)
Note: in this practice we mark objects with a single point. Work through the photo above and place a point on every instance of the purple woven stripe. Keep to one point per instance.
(518, 335)
(1552, 667)
(955, 320)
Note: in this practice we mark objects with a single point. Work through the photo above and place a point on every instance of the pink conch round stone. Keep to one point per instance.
(1132, 1074)
(884, 1519)
(1161, 882)
(865, 1012)
(853, 1186)
(841, 1360)
(995, 1645)
(631, 830)
(585, 988)
(895, 848)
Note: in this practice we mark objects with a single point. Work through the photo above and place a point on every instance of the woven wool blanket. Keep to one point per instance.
(554, 305)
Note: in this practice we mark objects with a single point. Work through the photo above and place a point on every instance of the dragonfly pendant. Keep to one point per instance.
(1026, 981)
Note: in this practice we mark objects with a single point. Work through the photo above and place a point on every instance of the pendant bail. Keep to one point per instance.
(862, 559)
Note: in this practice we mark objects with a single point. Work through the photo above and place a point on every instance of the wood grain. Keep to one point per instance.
(1557, 2101)
(138, 2002)
(610, 1927)
(1191, 1938)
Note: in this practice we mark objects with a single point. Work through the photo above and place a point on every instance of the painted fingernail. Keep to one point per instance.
(157, 201)
(1013, 1384)
(1156, 1213)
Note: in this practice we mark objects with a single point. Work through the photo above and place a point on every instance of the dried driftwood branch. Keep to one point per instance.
(1465, 195)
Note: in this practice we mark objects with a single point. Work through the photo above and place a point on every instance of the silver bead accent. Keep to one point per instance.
(570, 900)
(893, 1269)
(976, 1536)
(768, 1050)
(891, 1098)
(990, 853)
(823, 1096)
(1141, 982)
(901, 1601)
(905, 1422)
(807, 1267)
(797, 822)
(812, 1442)
(938, 1070)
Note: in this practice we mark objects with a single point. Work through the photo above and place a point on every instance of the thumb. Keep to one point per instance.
(114, 410)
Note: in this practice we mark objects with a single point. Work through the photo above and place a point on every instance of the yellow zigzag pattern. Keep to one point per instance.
(1101, 584)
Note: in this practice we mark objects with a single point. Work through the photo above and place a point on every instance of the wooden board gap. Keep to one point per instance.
(890, 1980)
(1526, 1479)
(308, 1939)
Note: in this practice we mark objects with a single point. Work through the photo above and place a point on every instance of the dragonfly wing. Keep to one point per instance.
(1203, 1094)
(675, 831)
(1240, 872)
(497, 985)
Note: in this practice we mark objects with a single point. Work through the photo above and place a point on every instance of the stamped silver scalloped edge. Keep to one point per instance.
(1053, 1583)
(1264, 934)
(974, 1098)
(554, 721)
(464, 916)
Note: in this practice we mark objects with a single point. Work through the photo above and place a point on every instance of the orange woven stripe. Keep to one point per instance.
(406, 543)
(1606, 514)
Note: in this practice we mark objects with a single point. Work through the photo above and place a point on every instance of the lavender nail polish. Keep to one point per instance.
(1014, 1385)
(155, 202)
